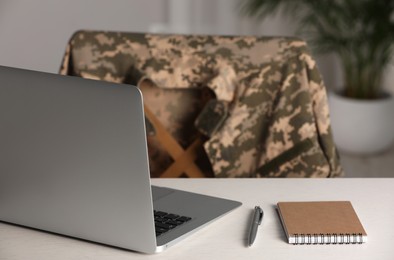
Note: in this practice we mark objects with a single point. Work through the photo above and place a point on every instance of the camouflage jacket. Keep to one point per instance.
(273, 115)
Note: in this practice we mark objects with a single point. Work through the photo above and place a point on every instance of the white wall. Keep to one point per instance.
(33, 34)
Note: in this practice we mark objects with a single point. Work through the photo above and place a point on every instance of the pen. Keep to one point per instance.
(256, 221)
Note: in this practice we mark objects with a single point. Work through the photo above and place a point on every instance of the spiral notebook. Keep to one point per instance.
(321, 222)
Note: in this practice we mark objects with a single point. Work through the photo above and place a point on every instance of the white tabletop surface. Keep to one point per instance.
(373, 200)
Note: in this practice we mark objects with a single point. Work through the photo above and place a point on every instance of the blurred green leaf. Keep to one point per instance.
(360, 32)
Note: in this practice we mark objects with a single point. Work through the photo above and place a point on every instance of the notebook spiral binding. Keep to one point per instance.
(314, 239)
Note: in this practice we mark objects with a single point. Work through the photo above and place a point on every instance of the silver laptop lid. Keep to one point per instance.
(73, 158)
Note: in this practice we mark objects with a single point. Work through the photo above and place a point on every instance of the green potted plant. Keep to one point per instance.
(361, 34)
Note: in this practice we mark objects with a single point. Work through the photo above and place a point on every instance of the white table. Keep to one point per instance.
(373, 200)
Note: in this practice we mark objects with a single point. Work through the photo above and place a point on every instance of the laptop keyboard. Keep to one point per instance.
(166, 221)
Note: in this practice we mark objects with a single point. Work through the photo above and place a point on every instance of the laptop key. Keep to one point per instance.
(171, 216)
(183, 219)
(160, 229)
(165, 226)
(159, 214)
(174, 222)
(159, 219)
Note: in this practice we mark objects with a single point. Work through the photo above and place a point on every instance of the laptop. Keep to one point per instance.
(74, 161)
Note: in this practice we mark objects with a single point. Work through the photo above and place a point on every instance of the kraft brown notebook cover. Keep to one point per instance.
(321, 222)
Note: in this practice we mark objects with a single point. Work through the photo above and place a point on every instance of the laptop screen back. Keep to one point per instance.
(73, 158)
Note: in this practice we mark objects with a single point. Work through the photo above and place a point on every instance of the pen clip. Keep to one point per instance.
(260, 213)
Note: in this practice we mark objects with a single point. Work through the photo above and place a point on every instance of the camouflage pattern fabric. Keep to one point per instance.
(271, 116)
